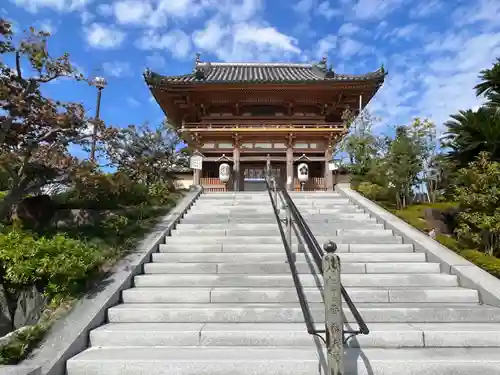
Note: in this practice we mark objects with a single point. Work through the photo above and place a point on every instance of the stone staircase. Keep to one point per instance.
(218, 298)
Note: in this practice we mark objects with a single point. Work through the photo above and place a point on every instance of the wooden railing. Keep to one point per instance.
(313, 184)
(264, 125)
(210, 181)
(212, 184)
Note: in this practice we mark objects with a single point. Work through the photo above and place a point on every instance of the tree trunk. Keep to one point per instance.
(14, 196)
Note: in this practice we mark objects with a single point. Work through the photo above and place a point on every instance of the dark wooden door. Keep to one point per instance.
(254, 176)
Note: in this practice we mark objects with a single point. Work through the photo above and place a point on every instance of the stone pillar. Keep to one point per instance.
(328, 173)
(196, 176)
(236, 168)
(196, 172)
(289, 167)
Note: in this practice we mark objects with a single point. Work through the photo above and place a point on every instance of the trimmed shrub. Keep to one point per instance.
(57, 266)
(489, 263)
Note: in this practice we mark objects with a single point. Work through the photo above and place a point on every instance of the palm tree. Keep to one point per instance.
(490, 85)
(470, 132)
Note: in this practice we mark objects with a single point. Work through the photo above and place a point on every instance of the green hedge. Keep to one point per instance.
(414, 214)
(487, 262)
(58, 266)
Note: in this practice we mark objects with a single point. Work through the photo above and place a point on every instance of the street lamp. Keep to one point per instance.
(100, 83)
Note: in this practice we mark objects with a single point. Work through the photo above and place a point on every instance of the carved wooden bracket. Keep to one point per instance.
(197, 139)
(224, 158)
(289, 139)
(302, 157)
(331, 140)
(237, 139)
(198, 153)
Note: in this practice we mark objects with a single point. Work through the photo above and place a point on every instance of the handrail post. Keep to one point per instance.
(333, 310)
(288, 225)
(275, 190)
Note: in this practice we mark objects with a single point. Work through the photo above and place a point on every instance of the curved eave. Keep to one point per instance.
(158, 81)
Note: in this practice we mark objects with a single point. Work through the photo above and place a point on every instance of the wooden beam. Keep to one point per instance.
(266, 130)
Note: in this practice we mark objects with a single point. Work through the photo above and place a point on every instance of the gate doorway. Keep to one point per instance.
(254, 176)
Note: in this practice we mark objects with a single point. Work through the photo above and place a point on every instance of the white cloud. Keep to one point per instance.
(375, 9)
(303, 6)
(47, 26)
(245, 42)
(434, 82)
(243, 10)
(103, 37)
(264, 36)
(86, 17)
(325, 45)
(176, 41)
(34, 6)
(350, 47)
(131, 11)
(211, 36)
(105, 9)
(324, 9)
(484, 11)
(407, 32)
(158, 13)
(348, 29)
(116, 68)
(156, 60)
(425, 8)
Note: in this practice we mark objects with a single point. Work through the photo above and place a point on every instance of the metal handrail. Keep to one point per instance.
(317, 254)
(291, 261)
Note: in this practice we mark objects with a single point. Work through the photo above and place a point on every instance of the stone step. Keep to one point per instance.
(292, 313)
(345, 239)
(278, 248)
(289, 294)
(283, 280)
(382, 335)
(246, 214)
(275, 232)
(372, 224)
(183, 361)
(311, 221)
(248, 204)
(282, 267)
(281, 361)
(254, 257)
(268, 207)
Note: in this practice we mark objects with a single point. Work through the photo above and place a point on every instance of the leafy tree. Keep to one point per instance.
(146, 155)
(471, 132)
(362, 147)
(403, 165)
(439, 177)
(36, 131)
(490, 85)
(478, 192)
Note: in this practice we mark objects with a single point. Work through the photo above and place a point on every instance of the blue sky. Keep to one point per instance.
(432, 49)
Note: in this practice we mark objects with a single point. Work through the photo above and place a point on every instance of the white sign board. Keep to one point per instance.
(333, 166)
(196, 162)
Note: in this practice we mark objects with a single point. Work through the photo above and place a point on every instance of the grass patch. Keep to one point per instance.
(414, 215)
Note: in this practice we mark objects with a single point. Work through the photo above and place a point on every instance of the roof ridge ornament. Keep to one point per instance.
(201, 69)
(322, 65)
(321, 68)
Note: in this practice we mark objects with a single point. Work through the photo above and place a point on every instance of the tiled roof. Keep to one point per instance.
(260, 73)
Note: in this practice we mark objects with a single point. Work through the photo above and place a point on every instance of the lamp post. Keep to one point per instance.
(100, 83)
(334, 166)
